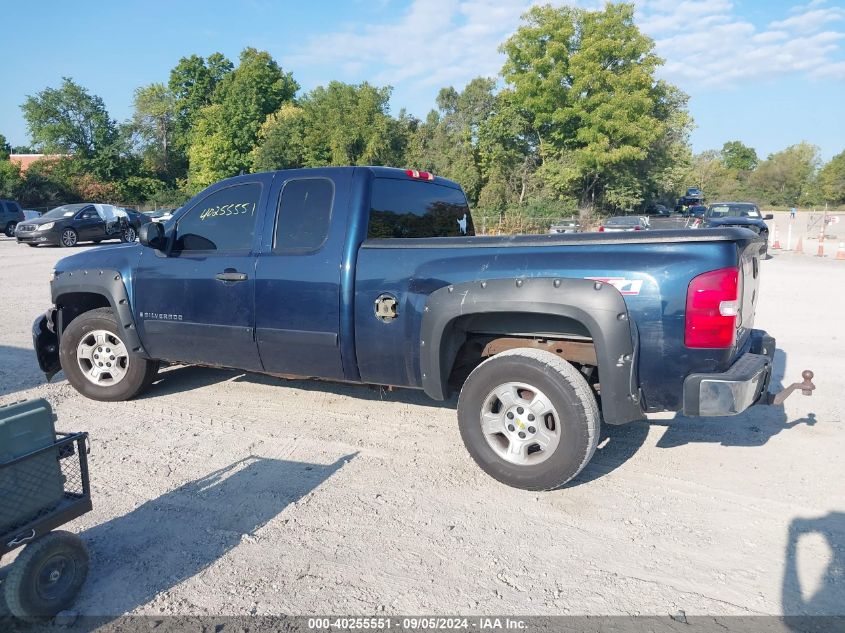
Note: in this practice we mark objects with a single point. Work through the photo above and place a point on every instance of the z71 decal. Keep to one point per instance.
(624, 286)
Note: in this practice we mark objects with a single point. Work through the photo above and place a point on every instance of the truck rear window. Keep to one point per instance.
(409, 208)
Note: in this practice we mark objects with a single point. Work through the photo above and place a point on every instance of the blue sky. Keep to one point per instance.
(767, 72)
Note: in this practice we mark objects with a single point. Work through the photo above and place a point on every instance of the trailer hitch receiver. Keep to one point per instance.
(806, 388)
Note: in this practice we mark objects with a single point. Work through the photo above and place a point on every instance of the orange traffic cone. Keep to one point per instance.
(799, 248)
(776, 245)
(820, 252)
(840, 252)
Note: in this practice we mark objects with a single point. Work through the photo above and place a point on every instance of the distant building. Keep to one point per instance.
(25, 160)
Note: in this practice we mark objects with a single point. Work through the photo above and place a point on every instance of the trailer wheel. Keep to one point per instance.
(529, 419)
(47, 576)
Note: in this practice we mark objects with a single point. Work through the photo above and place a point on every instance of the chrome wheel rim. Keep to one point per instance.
(520, 424)
(103, 358)
(68, 238)
(130, 234)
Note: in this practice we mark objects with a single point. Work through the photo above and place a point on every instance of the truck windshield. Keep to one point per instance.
(410, 208)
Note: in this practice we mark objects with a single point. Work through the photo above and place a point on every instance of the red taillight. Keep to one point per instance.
(601, 229)
(712, 308)
(419, 175)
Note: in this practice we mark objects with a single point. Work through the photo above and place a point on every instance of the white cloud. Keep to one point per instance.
(810, 20)
(435, 43)
(708, 44)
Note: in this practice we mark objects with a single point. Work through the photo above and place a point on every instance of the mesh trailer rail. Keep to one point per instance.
(44, 484)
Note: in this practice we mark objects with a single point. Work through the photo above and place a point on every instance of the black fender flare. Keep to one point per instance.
(598, 306)
(108, 284)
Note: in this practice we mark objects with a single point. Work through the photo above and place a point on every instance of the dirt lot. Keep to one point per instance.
(220, 492)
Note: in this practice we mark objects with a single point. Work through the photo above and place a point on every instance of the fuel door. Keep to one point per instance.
(385, 307)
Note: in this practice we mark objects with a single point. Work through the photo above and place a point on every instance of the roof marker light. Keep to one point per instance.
(419, 175)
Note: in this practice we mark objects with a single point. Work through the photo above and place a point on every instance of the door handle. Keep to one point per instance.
(230, 274)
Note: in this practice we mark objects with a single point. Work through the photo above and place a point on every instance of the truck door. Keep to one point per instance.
(196, 304)
(297, 287)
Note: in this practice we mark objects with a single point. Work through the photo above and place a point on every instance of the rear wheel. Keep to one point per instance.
(129, 235)
(97, 361)
(529, 419)
(10, 229)
(47, 575)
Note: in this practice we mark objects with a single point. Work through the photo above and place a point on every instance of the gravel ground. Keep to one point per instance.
(220, 492)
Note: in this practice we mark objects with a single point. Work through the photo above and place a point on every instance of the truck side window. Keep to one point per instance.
(222, 221)
(409, 208)
(304, 215)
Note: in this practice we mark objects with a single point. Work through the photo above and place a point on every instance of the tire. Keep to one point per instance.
(115, 373)
(10, 229)
(129, 235)
(565, 431)
(68, 238)
(33, 590)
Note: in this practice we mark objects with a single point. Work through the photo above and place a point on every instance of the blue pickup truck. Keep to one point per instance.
(373, 275)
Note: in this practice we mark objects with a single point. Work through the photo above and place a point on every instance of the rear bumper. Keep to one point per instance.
(745, 384)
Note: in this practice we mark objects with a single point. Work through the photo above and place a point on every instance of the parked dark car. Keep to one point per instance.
(624, 223)
(11, 215)
(741, 214)
(658, 210)
(71, 224)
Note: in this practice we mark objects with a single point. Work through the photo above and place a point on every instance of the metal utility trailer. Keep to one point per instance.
(40, 491)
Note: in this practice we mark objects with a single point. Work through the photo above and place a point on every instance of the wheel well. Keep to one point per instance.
(471, 339)
(73, 304)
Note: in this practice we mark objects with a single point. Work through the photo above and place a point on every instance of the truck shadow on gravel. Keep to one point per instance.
(181, 378)
(754, 427)
(140, 556)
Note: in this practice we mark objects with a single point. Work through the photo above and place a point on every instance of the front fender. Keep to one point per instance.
(106, 283)
(597, 306)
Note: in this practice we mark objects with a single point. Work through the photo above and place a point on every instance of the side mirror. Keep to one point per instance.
(151, 234)
(769, 217)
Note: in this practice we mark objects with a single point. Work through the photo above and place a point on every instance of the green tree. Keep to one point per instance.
(831, 180)
(192, 84)
(10, 179)
(241, 103)
(280, 140)
(5, 148)
(154, 122)
(70, 120)
(587, 81)
(738, 156)
(448, 142)
(338, 124)
(788, 177)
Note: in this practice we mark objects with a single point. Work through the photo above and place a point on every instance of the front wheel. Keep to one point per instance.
(10, 229)
(47, 575)
(529, 419)
(97, 361)
(129, 235)
(68, 238)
